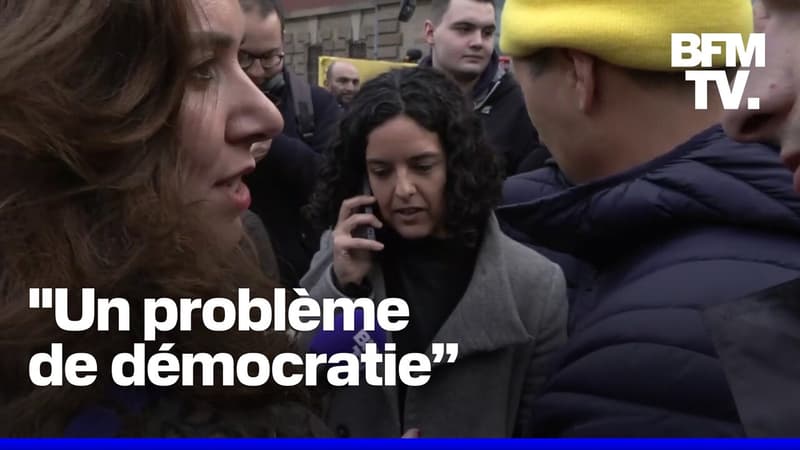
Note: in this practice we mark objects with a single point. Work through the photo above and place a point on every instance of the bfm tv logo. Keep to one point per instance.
(691, 50)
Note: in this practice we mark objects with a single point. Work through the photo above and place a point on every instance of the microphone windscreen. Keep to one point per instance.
(339, 340)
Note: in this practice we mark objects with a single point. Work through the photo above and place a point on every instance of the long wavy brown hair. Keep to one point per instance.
(90, 177)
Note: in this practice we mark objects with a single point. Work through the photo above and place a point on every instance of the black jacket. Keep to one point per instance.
(283, 181)
(498, 99)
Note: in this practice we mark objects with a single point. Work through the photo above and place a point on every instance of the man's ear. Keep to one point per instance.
(429, 29)
(583, 75)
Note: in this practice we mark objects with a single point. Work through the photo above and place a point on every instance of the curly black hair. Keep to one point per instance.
(435, 103)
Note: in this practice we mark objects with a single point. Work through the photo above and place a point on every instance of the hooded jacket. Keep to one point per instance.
(498, 99)
(647, 254)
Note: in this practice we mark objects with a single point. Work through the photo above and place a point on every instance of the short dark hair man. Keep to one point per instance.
(461, 35)
(343, 81)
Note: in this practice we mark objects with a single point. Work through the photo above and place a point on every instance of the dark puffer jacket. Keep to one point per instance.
(646, 253)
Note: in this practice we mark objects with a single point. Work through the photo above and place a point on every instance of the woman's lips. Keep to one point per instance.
(408, 212)
(237, 191)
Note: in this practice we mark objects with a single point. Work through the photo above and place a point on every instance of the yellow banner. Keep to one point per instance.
(367, 68)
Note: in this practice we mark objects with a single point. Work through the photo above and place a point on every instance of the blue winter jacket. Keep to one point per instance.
(645, 254)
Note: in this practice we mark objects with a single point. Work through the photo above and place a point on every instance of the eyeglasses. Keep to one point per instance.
(269, 61)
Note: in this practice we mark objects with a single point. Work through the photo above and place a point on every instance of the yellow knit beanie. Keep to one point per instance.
(628, 33)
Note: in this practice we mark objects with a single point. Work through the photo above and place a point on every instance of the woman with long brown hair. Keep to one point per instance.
(125, 131)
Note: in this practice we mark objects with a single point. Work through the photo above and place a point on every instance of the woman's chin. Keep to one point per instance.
(412, 232)
(228, 233)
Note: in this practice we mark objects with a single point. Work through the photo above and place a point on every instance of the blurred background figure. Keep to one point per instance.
(343, 81)
(413, 55)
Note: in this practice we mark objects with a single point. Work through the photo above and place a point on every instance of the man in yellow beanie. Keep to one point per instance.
(654, 214)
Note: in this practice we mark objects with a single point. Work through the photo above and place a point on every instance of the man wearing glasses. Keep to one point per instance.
(262, 58)
(284, 179)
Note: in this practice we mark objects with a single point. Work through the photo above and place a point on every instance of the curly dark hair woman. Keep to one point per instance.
(411, 145)
(436, 104)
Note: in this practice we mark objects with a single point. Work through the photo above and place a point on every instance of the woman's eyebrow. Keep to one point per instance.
(429, 154)
(425, 155)
(212, 40)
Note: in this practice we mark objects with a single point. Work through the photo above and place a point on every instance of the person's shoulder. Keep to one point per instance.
(508, 88)
(320, 95)
(528, 186)
(321, 92)
(713, 142)
(536, 283)
(720, 244)
(523, 262)
(508, 101)
(508, 79)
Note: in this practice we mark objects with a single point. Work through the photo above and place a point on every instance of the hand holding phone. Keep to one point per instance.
(365, 231)
(354, 240)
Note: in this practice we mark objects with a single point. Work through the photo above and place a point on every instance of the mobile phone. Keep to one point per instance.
(365, 231)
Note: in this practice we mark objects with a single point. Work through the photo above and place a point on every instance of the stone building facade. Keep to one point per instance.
(347, 28)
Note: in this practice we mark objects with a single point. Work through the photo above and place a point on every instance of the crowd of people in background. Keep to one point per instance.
(611, 260)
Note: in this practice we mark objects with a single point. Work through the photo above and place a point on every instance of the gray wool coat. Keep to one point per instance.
(509, 323)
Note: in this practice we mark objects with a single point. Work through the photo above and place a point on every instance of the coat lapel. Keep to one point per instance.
(486, 318)
(389, 392)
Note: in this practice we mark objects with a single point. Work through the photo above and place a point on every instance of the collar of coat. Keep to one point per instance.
(486, 318)
(487, 83)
